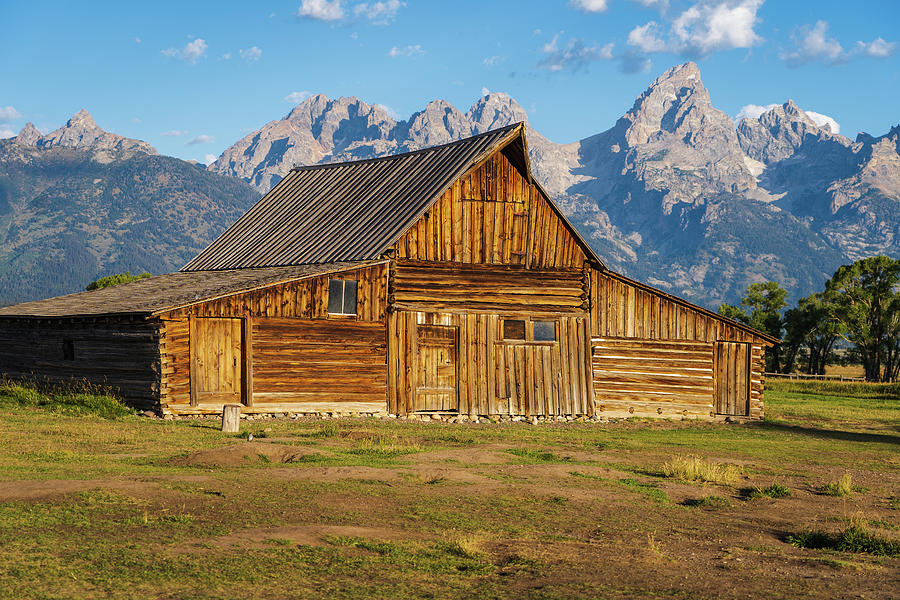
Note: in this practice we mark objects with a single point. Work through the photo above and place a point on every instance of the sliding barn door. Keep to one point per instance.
(732, 380)
(215, 361)
(436, 379)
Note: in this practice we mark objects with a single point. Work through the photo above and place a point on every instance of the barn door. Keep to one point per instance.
(436, 379)
(215, 361)
(732, 385)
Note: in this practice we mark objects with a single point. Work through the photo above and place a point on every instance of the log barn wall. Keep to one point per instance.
(290, 331)
(118, 353)
(494, 376)
(655, 355)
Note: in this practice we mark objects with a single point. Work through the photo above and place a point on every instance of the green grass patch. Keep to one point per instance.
(538, 456)
(650, 490)
(71, 400)
(854, 538)
(843, 486)
(776, 490)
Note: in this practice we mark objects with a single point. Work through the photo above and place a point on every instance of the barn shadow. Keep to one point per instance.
(830, 434)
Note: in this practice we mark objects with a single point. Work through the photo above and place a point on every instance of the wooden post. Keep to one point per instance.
(231, 418)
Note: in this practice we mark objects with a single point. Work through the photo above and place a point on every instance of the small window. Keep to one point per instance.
(68, 349)
(513, 330)
(545, 331)
(342, 297)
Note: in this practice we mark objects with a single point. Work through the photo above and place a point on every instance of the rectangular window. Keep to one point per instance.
(545, 331)
(68, 349)
(342, 297)
(513, 329)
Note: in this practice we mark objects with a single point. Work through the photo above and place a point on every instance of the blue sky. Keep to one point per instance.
(191, 78)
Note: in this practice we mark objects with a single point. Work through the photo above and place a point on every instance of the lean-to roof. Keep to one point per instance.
(168, 292)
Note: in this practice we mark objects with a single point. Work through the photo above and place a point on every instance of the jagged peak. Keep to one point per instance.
(29, 135)
(684, 71)
(82, 117)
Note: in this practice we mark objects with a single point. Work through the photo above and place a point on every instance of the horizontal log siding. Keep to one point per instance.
(446, 287)
(496, 376)
(303, 299)
(621, 309)
(492, 215)
(652, 378)
(121, 354)
(319, 361)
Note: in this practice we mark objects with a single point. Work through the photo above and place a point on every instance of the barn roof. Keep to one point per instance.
(167, 292)
(355, 210)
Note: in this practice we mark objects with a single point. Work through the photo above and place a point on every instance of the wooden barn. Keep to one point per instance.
(443, 280)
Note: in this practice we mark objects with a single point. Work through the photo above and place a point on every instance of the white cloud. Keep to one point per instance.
(485, 91)
(174, 133)
(755, 111)
(660, 5)
(752, 111)
(589, 5)
(191, 53)
(6, 132)
(877, 48)
(493, 61)
(707, 27)
(813, 44)
(194, 50)
(8, 113)
(646, 39)
(137, 40)
(321, 10)
(297, 97)
(201, 139)
(135, 120)
(390, 111)
(406, 51)
(380, 13)
(226, 56)
(822, 120)
(574, 56)
(209, 159)
(251, 54)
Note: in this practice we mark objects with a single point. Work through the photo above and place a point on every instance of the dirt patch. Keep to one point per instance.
(308, 535)
(242, 453)
(50, 488)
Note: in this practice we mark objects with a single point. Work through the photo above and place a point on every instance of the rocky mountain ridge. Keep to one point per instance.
(80, 203)
(673, 193)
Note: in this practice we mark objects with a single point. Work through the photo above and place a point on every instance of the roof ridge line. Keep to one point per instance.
(503, 129)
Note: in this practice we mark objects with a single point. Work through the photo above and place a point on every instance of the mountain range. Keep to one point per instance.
(675, 193)
(80, 203)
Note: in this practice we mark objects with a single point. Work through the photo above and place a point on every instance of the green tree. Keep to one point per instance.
(810, 324)
(761, 309)
(867, 308)
(117, 279)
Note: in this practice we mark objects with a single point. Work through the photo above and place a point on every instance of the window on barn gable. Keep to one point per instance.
(342, 297)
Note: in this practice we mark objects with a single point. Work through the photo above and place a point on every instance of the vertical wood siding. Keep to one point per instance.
(622, 309)
(495, 376)
(492, 215)
(303, 299)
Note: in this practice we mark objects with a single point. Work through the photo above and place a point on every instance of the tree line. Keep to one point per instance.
(860, 305)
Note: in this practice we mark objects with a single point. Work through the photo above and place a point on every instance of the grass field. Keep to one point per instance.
(123, 506)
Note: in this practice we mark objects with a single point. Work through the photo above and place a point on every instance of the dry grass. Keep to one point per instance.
(841, 487)
(694, 468)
